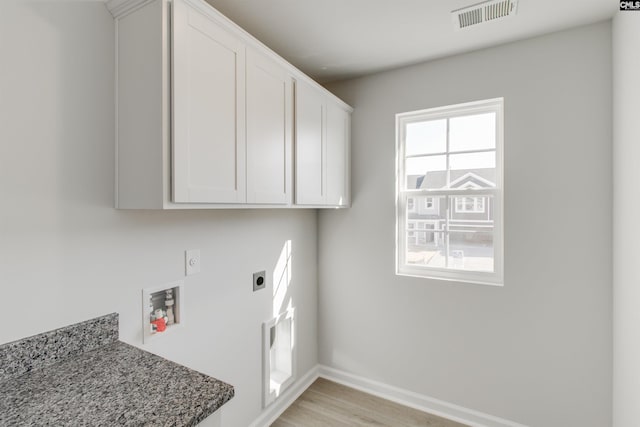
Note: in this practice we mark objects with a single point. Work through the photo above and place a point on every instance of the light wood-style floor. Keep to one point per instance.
(327, 404)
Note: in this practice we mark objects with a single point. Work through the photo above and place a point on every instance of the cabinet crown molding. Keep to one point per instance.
(120, 8)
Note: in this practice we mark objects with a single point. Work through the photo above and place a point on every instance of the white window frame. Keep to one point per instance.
(495, 193)
(478, 205)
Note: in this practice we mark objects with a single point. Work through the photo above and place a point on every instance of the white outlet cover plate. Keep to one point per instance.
(192, 261)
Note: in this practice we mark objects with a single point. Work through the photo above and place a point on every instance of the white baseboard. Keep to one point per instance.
(415, 400)
(273, 411)
(404, 397)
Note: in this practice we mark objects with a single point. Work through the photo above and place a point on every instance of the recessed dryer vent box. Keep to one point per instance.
(162, 310)
(278, 355)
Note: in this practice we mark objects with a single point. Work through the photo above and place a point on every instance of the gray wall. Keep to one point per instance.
(67, 255)
(538, 350)
(626, 229)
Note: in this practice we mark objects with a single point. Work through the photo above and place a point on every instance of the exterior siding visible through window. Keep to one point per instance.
(449, 193)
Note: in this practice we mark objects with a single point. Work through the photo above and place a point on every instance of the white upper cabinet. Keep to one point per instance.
(207, 118)
(269, 122)
(310, 146)
(338, 132)
(208, 110)
(322, 149)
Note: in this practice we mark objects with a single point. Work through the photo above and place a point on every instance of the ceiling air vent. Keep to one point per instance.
(486, 11)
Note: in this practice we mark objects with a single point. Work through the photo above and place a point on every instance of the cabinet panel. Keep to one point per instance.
(208, 116)
(309, 147)
(269, 113)
(337, 155)
(142, 132)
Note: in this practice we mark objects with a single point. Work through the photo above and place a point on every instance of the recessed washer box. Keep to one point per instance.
(162, 310)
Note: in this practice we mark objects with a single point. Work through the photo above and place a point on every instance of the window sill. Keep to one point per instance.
(449, 276)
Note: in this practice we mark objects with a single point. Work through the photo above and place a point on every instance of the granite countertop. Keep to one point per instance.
(81, 376)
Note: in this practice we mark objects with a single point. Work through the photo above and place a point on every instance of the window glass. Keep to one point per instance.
(471, 250)
(426, 137)
(426, 172)
(473, 170)
(474, 132)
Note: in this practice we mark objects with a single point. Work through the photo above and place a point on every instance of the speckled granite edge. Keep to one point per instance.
(115, 385)
(39, 351)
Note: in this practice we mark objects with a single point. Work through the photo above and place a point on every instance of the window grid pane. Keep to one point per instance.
(444, 239)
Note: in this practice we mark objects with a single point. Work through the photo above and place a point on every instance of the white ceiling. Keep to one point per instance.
(337, 39)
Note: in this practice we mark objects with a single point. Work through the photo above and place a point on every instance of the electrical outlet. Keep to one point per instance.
(259, 280)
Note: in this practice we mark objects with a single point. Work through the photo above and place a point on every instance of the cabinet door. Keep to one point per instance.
(269, 114)
(309, 146)
(337, 155)
(208, 146)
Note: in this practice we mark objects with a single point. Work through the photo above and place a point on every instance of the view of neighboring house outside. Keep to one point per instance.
(471, 216)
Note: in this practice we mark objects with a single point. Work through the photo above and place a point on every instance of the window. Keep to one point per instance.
(428, 203)
(470, 204)
(450, 177)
